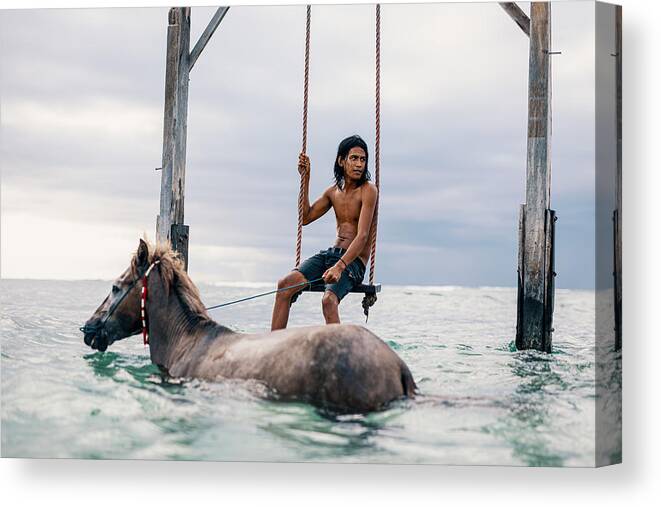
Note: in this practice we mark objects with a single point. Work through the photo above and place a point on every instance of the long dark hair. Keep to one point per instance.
(342, 152)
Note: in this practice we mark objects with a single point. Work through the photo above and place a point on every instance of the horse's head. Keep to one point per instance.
(119, 315)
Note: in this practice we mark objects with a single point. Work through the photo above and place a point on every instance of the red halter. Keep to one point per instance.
(143, 304)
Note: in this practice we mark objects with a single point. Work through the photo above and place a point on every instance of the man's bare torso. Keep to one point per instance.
(347, 205)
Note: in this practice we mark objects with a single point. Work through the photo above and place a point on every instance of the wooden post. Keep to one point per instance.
(174, 130)
(617, 216)
(534, 307)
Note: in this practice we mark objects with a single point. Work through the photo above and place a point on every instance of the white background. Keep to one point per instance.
(636, 482)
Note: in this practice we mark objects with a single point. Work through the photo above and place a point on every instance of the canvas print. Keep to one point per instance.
(313, 233)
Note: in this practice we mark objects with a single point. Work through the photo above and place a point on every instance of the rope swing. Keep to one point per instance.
(304, 179)
(370, 299)
(371, 289)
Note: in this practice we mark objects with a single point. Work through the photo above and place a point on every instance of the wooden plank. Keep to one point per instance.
(538, 173)
(206, 35)
(618, 216)
(181, 120)
(163, 222)
(617, 288)
(549, 292)
(519, 17)
(519, 279)
(175, 123)
(361, 289)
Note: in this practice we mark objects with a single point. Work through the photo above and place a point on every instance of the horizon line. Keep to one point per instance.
(262, 284)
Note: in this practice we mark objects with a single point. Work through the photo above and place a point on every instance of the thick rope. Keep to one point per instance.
(370, 299)
(377, 142)
(304, 180)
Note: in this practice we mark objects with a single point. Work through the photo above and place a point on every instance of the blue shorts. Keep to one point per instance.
(316, 266)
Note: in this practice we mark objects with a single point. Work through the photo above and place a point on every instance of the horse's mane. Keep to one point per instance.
(171, 266)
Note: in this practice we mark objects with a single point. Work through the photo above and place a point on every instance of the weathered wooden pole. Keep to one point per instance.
(536, 231)
(617, 215)
(170, 222)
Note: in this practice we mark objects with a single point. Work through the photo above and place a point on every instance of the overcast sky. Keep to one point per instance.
(82, 118)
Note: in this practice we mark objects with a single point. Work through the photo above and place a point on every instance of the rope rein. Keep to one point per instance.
(310, 283)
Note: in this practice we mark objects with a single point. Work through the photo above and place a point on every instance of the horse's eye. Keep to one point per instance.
(115, 289)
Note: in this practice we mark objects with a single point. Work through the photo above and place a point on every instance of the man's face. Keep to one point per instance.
(354, 164)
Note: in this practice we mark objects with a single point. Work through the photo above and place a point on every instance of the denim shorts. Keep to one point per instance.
(316, 266)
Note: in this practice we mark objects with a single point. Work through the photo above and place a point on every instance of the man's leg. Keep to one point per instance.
(283, 299)
(330, 303)
(331, 307)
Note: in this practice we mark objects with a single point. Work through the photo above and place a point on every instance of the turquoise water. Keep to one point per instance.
(481, 401)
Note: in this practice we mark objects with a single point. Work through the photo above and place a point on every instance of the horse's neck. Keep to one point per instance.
(172, 332)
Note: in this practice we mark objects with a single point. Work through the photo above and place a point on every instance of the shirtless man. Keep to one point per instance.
(353, 198)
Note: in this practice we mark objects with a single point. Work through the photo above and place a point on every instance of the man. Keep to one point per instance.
(353, 198)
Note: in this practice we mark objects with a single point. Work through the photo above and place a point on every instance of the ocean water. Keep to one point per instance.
(481, 401)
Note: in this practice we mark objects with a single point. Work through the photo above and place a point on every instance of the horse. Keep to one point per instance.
(339, 367)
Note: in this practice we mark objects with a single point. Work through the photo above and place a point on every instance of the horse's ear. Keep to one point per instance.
(143, 255)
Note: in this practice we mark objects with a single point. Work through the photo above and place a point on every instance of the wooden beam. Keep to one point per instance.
(519, 17)
(549, 289)
(206, 35)
(618, 178)
(534, 332)
(519, 279)
(174, 124)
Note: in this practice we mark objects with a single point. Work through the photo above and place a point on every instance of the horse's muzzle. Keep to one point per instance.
(95, 337)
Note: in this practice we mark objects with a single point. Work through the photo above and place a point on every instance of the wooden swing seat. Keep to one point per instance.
(359, 289)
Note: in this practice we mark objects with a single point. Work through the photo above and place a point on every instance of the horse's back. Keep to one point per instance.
(339, 366)
(349, 368)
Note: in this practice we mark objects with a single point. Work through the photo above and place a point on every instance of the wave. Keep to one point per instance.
(242, 285)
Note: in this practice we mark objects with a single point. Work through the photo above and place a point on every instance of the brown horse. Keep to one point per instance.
(345, 368)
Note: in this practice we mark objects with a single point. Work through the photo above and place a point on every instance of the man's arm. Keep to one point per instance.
(321, 205)
(318, 208)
